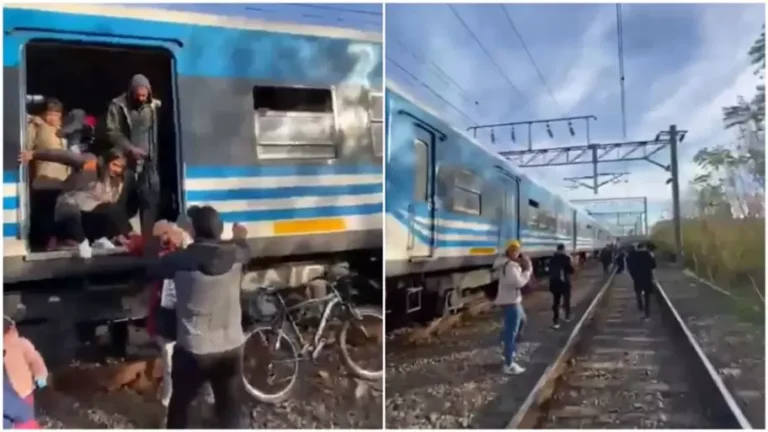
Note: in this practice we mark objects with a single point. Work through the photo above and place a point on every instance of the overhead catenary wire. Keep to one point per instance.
(620, 37)
(430, 89)
(487, 53)
(450, 80)
(324, 19)
(335, 8)
(533, 62)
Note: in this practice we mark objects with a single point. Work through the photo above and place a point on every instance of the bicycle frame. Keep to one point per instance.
(318, 341)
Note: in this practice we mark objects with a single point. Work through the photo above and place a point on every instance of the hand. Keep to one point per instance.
(26, 156)
(41, 382)
(525, 262)
(137, 152)
(239, 231)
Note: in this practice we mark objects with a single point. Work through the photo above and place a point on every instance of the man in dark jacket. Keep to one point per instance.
(560, 271)
(131, 126)
(641, 264)
(209, 333)
(606, 256)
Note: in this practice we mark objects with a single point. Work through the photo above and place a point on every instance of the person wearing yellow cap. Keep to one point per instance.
(514, 273)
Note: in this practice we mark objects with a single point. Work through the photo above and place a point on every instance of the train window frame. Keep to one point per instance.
(279, 148)
(472, 189)
(376, 122)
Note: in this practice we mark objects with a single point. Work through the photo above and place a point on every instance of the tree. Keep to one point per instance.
(735, 176)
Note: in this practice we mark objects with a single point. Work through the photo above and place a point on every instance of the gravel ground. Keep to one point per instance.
(326, 397)
(455, 381)
(732, 334)
(627, 373)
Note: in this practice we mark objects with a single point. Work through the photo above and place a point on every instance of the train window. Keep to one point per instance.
(467, 193)
(549, 223)
(562, 224)
(568, 219)
(294, 123)
(375, 111)
(533, 214)
(421, 164)
(492, 202)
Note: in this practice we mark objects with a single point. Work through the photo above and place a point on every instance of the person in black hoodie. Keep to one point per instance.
(209, 334)
(131, 127)
(606, 256)
(560, 271)
(640, 264)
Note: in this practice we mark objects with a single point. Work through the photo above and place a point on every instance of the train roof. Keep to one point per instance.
(149, 13)
(399, 90)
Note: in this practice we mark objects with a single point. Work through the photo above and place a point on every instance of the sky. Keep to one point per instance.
(682, 62)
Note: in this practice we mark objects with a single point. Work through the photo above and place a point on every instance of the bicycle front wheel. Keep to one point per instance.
(362, 343)
(270, 364)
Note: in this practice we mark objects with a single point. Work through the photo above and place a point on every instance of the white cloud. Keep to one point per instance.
(586, 73)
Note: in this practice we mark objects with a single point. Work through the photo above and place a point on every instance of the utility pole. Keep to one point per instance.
(675, 190)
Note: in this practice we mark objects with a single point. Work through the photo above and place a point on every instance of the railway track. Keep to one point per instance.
(618, 370)
(454, 380)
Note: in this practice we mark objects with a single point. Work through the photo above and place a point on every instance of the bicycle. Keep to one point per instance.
(282, 332)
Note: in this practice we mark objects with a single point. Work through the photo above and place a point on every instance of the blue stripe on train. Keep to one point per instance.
(300, 213)
(283, 192)
(228, 52)
(10, 229)
(11, 176)
(10, 203)
(216, 172)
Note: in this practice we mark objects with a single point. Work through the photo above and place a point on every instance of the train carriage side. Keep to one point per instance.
(452, 205)
(276, 129)
(277, 126)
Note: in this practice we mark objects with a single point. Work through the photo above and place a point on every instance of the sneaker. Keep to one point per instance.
(513, 369)
(556, 326)
(567, 319)
(84, 249)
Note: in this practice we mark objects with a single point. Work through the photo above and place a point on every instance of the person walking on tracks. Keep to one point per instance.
(515, 272)
(209, 333)
(606, 256)
(560, 271)
(641, 264)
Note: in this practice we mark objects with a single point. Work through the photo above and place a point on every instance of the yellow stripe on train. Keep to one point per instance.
(482, 251)
(309, 226)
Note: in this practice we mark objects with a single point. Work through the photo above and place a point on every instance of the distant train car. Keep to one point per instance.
(452, 205)
(278, 126)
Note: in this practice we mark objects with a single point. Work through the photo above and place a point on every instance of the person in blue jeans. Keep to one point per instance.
(515, 272)
(17, 413)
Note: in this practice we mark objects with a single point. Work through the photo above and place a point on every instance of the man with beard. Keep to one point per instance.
(131, 127)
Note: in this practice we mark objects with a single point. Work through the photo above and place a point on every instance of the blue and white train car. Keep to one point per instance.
(452, 205)
(278, 126)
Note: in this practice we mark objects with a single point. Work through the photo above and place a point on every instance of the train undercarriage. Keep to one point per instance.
(65, 314)
(423, 297)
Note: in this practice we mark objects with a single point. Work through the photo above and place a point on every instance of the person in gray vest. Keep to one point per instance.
(209, 333)
(131, 126)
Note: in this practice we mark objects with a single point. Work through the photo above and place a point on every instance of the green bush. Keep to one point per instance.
(730, 252)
